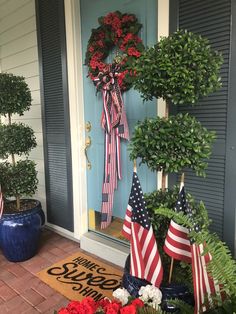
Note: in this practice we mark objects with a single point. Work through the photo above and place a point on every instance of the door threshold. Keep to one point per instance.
(105, 248)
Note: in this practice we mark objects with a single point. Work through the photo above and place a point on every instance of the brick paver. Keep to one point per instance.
(24, 293)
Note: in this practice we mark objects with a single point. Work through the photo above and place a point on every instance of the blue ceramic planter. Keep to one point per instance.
(173, 291)
(19, 233)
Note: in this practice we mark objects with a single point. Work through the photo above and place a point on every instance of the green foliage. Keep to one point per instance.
(183, 307)
(172, 144)
(227, 307)
(182, 272)
(16, 178)
(180, 68)
(16, 138)
(15, 96)
(222, 267)
(19, 179)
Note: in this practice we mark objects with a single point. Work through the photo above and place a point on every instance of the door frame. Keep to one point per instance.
(76, 105)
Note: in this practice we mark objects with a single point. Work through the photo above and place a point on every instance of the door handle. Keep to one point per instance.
(88, 143)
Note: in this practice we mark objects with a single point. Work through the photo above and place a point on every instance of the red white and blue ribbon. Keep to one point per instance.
(114, 123)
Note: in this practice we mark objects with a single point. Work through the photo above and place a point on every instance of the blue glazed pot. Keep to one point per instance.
(19, 233)
(173, 291)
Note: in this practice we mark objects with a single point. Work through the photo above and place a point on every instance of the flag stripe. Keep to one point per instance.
(177, 244)
(145, 258)
(204, 285)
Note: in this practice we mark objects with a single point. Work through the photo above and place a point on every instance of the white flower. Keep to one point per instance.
(151, 296)
(121, 294)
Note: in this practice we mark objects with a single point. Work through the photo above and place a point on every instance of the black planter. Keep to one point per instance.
(19, 233)
(173, 291)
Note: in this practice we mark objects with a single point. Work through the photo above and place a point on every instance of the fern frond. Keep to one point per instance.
(183, 307)
(222, 266)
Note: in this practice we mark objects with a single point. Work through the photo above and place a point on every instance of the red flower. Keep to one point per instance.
(128, 18)
(100, 43)
(116, 23)
(63, 311)
(93, 63)
(101, 66)
(137, 303)
(121, 77)
(91, 49)
(103, 303)
(101, 35)
(128, 37)
(89, 302)
(119, 32)
(113, 307)
(109, 18)
(128, 309)
(97, 55)
(133, 52)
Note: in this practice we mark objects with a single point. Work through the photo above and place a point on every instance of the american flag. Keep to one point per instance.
(1, 202)
(204, 285)
(177, 244)
(137, 228)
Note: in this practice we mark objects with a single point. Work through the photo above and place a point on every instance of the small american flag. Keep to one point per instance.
(1, 202)
(177, 244)
(204, 285)
(137, 228)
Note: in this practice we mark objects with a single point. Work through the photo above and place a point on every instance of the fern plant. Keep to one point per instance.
(222, 267)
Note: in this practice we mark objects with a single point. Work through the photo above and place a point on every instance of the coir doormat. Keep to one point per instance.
(81, 275)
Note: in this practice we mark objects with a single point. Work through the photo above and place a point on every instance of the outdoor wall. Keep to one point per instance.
(19, 55)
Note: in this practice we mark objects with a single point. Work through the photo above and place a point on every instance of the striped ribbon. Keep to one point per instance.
(115, 125)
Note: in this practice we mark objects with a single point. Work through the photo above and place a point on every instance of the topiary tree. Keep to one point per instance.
(180, 68)
(169, 145)
(17, 177)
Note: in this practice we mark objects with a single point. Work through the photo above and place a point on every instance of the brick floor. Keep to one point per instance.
(21, 291)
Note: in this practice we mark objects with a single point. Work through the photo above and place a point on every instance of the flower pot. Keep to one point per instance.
(19, 233)
(172, 291)
(175, 291)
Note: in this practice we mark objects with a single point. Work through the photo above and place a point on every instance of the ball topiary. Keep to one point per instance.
(17, 178)
(15, 96)
(180, 68)
(172, 144)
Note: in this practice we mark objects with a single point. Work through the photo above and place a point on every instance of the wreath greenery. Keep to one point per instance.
(117, 31)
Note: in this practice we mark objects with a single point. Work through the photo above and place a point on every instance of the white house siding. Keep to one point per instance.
(19, 55)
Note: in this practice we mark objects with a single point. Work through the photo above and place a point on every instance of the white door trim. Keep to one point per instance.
(76, 104)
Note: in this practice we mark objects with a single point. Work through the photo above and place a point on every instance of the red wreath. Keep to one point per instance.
(115, 30)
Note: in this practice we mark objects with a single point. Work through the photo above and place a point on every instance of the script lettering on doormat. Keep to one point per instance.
(84, 276)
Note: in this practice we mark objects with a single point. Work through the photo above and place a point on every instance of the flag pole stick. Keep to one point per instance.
(135, 165)
(172, 260)
(171, 270)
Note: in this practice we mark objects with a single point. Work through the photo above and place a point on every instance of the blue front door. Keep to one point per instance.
(91, 10)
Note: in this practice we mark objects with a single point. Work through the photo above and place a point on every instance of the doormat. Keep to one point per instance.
(80, 275)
